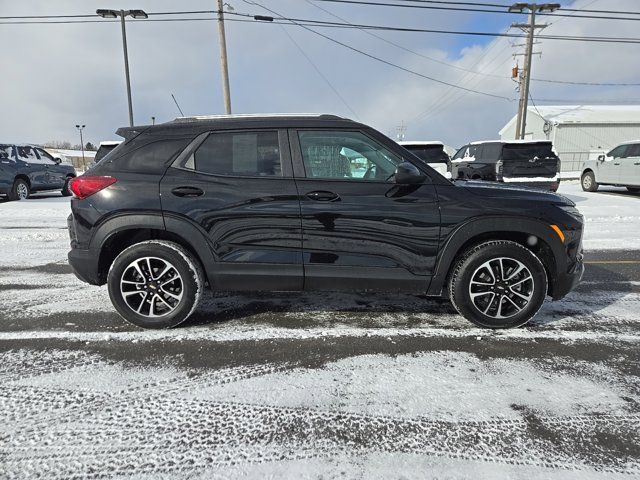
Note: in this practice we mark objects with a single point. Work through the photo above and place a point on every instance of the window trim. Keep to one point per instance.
(300, 170)
(283, 144)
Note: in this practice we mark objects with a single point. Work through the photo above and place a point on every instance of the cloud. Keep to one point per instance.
(55, 76)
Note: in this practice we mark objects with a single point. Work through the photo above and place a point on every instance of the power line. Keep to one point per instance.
(378, 59)
(319, 72)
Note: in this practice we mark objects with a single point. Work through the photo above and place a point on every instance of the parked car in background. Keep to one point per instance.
(25, 169)
(433, 154)
(619, 167)
(105, 148)
(532, 163)
(309, 202)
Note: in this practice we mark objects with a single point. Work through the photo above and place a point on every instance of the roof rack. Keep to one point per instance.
(196, 118)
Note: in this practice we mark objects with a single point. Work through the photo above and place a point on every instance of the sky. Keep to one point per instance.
(59, 75)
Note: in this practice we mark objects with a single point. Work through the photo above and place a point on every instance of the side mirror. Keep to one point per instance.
(407, 173)
(58, 160)
(601, 158)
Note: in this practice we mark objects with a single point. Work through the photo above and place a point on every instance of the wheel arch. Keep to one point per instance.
(119, 233)
(23, 176)
(534, 235)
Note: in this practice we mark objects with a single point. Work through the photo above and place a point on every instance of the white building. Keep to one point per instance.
(579, 131)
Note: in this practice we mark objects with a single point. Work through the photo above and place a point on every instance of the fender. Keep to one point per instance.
(474, 227)
(124, 221)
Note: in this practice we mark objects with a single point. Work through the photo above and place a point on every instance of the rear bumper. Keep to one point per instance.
(84, 264)
(542, 184)
(564, 283)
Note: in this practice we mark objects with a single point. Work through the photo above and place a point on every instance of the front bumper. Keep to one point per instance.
(567, 282)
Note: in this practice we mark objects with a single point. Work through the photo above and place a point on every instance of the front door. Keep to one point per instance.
(238, 189)
(609, 169)
(360, 229)
(55, 176)
(33, 167)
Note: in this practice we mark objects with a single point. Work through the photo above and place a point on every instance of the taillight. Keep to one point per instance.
(85, 186)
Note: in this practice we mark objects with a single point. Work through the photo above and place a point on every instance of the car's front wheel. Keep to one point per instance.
(155, 284)
(498, 284)
(588, 182)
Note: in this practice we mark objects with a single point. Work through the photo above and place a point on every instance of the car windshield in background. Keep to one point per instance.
(527, 151)
(429, 153)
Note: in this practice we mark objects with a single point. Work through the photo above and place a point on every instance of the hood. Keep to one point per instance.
(497, 190)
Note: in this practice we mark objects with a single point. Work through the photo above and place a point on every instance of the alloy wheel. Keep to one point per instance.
(501, 287)
(586, 182)
(151, 287)
(23, 191)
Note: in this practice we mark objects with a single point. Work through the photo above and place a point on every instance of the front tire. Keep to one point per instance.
(588, 182)
(20, 190)
(498, 284)
(155, 284)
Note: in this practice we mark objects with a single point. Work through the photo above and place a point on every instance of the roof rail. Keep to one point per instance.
(196, 118)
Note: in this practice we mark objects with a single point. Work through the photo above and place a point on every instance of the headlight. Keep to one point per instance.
(573, 211)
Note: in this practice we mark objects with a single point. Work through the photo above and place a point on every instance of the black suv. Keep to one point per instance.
(291, 203)
(531, 163)
(27, 168)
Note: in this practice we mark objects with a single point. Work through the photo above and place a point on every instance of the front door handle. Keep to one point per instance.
(187, 192)
(323, 196)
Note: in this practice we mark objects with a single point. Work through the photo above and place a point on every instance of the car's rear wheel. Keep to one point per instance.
(20, 190)
(65, 189)
(155, 284)
(588, 182)
(498, 284)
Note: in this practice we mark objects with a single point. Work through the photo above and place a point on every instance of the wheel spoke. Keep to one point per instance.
(529, 277)
(136, 292)
(514, 273)
(131, 282)
(150, 269)
(523, 297)
(165, 302)
(480, 294)
(490, 303)
(170, 280)
(513, 303)
(177, 297)
(501, 269)
(137, 267)
(144, 299)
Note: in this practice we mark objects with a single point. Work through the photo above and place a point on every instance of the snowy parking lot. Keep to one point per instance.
(317, 385)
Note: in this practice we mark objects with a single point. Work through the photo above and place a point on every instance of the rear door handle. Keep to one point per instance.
(187, 192)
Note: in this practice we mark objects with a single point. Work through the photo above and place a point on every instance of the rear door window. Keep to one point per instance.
(6, 151)
(527, 151)
(254, 154)
(633, 150)
(491, 152)
(28, 154)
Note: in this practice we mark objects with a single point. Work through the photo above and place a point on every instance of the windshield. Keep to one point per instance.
(527, 151)
(429, 153)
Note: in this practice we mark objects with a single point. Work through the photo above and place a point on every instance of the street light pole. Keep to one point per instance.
(126, 66)
(224, 67)
(84, 163)
(137, 14)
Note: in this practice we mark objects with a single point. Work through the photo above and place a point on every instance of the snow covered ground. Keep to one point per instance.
(317, 385)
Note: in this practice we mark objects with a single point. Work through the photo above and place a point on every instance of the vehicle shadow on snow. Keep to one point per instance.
(602, 287)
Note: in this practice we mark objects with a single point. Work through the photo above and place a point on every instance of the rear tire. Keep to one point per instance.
(155, 284)
(20, 190)
(498, 284)
(65, 189)
(588, 182)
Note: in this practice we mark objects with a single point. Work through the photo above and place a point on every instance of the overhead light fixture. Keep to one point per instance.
(104, 13)
(138, 14)
(549, 7)
(518, 7)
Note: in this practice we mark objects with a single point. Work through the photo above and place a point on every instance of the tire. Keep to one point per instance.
(588, 182)
(20, 190)
(525, 290)
(65, 189)
(634, 189)
(155, 306)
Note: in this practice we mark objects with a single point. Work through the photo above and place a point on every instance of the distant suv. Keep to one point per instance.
(431, 153)
(27, 168)
(619, 167)
(530, 163)
(289, 203)
(105, 148)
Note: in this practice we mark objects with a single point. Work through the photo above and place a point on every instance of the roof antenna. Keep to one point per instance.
(176, 102)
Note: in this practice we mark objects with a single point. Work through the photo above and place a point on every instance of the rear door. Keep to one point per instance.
(630, 167)
(55, 176)
(237, 187)
(360, 229)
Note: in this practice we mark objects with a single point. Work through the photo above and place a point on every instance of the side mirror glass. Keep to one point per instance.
(407, 173)
(601, 158)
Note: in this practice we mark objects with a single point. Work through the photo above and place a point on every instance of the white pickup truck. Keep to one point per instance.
(619, 167)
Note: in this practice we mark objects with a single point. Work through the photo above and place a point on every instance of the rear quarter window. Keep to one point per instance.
(146, 155)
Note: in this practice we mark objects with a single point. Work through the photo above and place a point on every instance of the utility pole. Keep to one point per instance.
(525, 76)
(80, 128)
(401, 129)
(223, 58)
